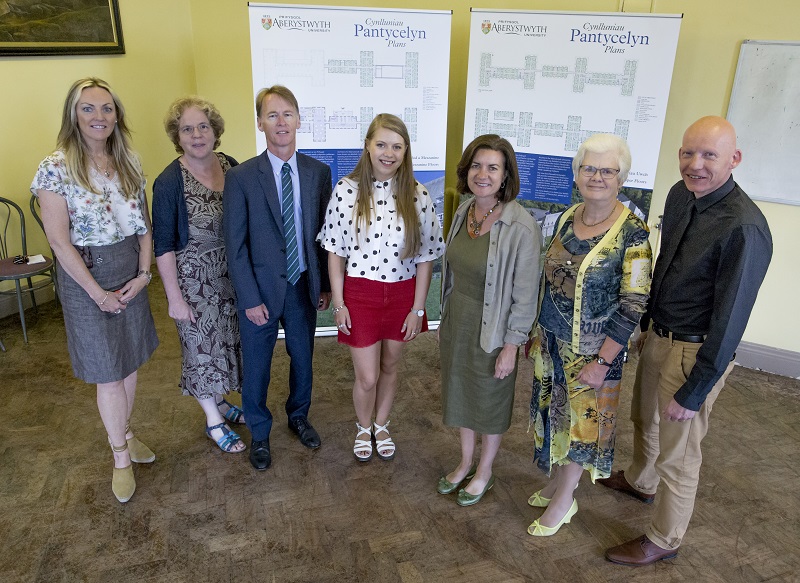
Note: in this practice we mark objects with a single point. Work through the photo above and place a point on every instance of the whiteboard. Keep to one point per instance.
(765, 110)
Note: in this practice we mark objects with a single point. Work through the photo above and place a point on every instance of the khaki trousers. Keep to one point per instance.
(667, 451)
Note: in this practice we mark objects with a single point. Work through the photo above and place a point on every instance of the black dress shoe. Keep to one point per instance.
(260, 456)
(307, 434)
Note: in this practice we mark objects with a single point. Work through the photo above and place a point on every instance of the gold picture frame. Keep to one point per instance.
(65, 27)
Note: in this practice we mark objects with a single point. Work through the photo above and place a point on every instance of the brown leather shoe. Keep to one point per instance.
(618, 482)
(639, 552)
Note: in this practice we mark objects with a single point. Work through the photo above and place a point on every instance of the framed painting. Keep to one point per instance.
(60, 27)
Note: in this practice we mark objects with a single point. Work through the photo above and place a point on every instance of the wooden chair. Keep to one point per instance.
(20, 271)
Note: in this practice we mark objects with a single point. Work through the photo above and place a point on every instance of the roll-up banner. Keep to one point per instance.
(548, 80)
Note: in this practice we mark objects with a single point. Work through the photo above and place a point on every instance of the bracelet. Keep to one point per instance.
(104, 299)
(338, 309)
(147, 275)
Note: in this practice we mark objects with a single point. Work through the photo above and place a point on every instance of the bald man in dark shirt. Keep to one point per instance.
(716, 248)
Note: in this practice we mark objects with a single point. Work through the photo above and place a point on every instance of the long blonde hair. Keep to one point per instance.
(405, 187)
(71, 142)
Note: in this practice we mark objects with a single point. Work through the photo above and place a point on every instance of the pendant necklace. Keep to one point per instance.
(105, 176)
(585, 224)
(474, 225)
(101, 170)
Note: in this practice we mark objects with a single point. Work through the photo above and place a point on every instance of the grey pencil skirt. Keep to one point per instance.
(106, 347)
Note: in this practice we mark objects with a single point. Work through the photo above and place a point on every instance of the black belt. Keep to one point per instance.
(666, 333)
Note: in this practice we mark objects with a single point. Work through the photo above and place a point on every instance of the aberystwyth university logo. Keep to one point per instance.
(266, 22)
(486, 26)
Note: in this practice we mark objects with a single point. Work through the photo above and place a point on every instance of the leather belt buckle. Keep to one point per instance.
(667, 333)
(660, 330)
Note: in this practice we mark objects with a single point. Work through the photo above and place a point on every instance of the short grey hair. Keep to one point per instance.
(604, 144)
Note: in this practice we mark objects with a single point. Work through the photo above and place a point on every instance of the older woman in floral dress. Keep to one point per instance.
(595, 287)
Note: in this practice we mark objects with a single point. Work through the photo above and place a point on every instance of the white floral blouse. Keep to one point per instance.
(104, 217)
(375, 252)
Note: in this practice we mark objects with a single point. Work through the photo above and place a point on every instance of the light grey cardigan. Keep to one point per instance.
(512, 275)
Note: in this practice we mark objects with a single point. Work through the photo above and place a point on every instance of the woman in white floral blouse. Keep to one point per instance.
(91, 191)
(382, 236)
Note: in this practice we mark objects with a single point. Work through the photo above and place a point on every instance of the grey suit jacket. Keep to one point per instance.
(253, 230)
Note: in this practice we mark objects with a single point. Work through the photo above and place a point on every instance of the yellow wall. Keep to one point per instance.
(202, 46)
(158, 66)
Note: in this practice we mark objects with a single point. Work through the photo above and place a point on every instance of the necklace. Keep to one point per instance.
(101, 170)
(474, 225)
(585, 224)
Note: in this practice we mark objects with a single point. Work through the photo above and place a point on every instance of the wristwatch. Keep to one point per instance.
(419, 313)
(601, 360)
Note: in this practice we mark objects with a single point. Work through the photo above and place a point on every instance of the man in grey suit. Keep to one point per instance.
(274, 205)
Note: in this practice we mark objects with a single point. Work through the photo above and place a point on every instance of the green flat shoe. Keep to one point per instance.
(467, 499)
(447, 487)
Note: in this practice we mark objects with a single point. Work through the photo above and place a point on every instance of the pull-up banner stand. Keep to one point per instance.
(548, 80)
(346, 65)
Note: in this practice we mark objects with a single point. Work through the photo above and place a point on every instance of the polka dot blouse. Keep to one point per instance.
(374, 251)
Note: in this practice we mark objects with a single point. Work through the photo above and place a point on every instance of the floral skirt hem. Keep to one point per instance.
(572, 421)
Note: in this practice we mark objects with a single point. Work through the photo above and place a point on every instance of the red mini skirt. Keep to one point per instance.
(377, 310)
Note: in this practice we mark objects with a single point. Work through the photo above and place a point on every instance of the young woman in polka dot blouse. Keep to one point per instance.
(381, 240)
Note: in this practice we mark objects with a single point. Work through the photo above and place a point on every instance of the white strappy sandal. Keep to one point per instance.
(363, 445)
(383, 444)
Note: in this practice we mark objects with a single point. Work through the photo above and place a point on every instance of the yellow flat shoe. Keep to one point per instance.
(536, 529)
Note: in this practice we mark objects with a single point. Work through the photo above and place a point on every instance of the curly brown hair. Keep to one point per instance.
(173, 119)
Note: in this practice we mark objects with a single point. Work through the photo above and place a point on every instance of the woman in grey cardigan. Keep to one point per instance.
(489, 288)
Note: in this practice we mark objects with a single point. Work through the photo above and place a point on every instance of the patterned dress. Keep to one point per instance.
(212, 352)
(572, 421)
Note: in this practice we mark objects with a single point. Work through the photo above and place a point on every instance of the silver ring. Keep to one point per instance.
(118, 311)
(413, 333)
(340, 326)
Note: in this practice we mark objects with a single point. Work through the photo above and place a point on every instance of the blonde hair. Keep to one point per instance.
(173, 119)
(71, 142)
(405, 186)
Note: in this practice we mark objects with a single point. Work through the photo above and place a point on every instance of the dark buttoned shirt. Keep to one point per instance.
(715, 251)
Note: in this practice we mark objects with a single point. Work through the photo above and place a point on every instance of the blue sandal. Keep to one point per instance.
(228, 440)
(233, 413)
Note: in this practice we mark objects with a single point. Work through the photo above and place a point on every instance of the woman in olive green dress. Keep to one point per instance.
(489, 288)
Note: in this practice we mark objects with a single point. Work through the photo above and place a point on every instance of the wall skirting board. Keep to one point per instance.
(774, 360)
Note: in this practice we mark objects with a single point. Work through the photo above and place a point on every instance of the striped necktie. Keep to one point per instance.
(289, 231)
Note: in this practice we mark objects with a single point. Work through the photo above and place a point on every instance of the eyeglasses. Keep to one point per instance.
(204, 128)
(590, 171)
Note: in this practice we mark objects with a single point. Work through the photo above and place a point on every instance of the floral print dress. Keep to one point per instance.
(212, 352)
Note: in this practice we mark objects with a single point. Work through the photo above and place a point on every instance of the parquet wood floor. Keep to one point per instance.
(200, 515)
